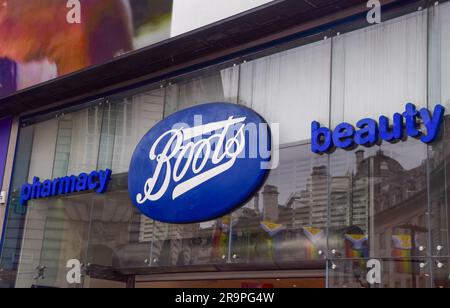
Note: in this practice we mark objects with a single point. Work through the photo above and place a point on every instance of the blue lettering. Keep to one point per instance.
(105, 177)
(321, 138)
(67, 185)
(410, 115)
(391, 134)
(432, 124)
(55, 187)
(46, 189)
(369, 132)
(36, 189)
(343, 136)
(82, 182)
(93, 180)
(25, 194)
(97, 181)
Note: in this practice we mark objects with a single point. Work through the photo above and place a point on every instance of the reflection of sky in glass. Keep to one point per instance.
(410, 154)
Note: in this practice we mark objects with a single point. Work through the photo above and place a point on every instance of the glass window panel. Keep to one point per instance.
(379, 201)
(393, 273)
(55, 230)
(439, 59)
(77, 142)
(107, 136)
(33, 235)
(51, 234)
(207, 86)
(286, 221)
(439, 171)
(65, 236)
(40, 165)
(14, 221)
(291, 88)
(43, 150)
(120, 239)
(135, 116)
(378, 196)
(378, 69)
(191, 245)
(439, 76)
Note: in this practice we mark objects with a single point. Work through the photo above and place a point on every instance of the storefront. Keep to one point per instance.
(319, 220)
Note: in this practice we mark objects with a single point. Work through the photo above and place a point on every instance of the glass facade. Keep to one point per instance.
(328, 215)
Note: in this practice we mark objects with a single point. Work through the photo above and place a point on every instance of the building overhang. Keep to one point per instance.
(278, 22)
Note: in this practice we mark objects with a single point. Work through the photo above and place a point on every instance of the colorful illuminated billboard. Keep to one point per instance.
(45, 39)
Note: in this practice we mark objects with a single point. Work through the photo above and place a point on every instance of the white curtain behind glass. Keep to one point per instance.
(439, 55)
(445, 54)
(291, 88)
(83, 129)
(135, 117)
(43, 150)
(219, 86)
(377, 70)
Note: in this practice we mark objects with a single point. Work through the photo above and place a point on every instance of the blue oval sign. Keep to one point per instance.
(200, 163)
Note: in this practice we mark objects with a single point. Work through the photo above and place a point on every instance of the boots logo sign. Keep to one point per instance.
(200, 163)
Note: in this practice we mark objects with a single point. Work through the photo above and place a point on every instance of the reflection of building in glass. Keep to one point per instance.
(374, 201)
(265, 231)
(377, 208)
